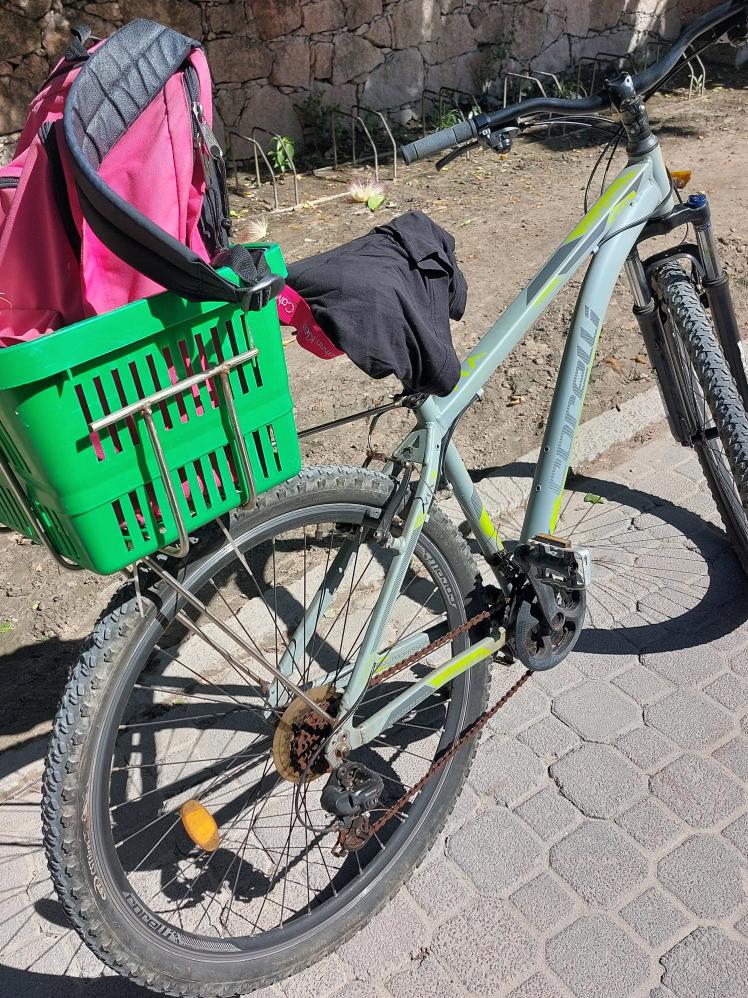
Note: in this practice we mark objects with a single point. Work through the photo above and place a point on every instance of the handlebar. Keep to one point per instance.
(714, 22)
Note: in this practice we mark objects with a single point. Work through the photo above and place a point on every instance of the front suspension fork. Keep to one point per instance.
(647, 314)
(717, 288)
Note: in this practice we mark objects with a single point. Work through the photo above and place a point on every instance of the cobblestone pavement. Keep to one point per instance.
(600, 848)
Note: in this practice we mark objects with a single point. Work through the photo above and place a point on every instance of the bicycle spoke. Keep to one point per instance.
(195, 731)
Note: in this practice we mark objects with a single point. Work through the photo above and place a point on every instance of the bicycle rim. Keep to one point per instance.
(188, 729)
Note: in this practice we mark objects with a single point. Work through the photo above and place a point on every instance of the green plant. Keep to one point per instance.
(453, 116)
(281, 153)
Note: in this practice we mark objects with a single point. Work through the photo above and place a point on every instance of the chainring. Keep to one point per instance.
(536, 646)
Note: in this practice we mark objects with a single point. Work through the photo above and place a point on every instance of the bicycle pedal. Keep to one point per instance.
(555, 540)
(554, 560)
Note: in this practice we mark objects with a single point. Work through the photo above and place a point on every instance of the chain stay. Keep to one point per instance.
(454, 748)
(416, 657)
(350, 843)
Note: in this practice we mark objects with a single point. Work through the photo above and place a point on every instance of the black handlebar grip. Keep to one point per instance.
(445, 138)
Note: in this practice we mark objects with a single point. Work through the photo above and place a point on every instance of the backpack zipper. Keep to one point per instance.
(214, 215)
(9, 182)
(205, 141)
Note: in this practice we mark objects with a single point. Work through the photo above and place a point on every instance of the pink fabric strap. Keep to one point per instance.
(295, 312)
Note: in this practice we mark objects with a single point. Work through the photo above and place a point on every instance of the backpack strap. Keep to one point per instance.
(76, 50)
(116, 84)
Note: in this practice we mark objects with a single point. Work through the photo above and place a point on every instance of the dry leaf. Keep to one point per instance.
(255, 230)
(516, 400)
(615, 363)
(641, 358)
(363, 190)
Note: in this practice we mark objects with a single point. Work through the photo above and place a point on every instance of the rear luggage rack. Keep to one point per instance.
(142, 425)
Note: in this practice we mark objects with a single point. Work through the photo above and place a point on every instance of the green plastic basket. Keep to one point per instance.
(100, 496)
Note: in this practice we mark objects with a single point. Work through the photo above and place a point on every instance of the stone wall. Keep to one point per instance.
(267, 55)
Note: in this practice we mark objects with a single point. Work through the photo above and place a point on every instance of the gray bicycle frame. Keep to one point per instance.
(608, 232)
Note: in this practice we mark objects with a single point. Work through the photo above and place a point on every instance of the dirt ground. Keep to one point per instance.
(508, 214)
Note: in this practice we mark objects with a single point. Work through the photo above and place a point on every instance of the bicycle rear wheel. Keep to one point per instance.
(155, 716)
(715, 406)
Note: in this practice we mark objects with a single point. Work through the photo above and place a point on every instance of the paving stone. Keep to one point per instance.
(737, 833)
(529, 704)
(597, 710)
(686, 666)
(537, 986)
(729, 690)
(705, 874)
(549, 814)
(488, 949)
(424, 979)
(642, 685)
(691, 720)
(706, 963)
(440, 889)
(507, 770)
(732, 588)
(550, 738)
(598, 780)
(654, 917)
(324, 979)
(48, 960)
(495, 850)
(544, 902)
(741, 926)
(739, 662)
(358, 990)
(600, 666)
(734, 756)
(595, 957)
(391, 935)
(556, 680)
(698, 790)
(599, 862)
(467, 806)
(650, 824)
(645, 748)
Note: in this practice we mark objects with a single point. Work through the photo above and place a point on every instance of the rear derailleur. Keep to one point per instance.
(549, 603)
(349, 795)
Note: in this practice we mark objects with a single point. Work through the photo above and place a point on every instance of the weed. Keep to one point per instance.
(281, 153)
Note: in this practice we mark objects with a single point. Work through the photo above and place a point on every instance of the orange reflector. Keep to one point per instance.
(680, 178)
(200, 825)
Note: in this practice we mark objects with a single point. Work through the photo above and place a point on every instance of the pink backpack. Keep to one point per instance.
(117, 189)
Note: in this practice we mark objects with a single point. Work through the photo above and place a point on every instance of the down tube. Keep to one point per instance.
(571, 387)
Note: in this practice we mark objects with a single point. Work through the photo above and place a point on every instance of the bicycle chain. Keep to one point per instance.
(455, 747)
(416, 657)
(353, 838)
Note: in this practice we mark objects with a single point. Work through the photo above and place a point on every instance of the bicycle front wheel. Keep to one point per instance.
(156, 716)
(715, 407)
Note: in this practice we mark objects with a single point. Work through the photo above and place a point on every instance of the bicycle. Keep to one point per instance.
(261, 740)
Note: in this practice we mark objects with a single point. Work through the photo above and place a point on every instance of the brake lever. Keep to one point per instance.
(454, 153)
(499, 140)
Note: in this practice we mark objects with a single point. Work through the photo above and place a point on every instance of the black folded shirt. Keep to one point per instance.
(386, 300)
